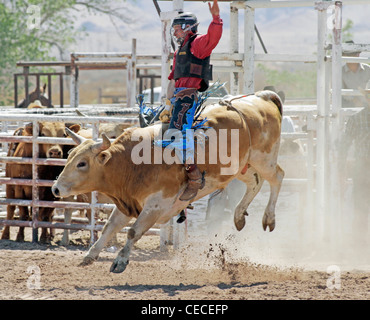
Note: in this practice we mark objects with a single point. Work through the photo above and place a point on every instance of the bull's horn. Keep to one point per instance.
(79, 113)
(101, 146)
(75, 137)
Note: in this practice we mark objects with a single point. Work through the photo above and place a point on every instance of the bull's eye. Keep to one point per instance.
(81, 164)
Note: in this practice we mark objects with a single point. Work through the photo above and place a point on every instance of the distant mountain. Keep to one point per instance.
(283, 30)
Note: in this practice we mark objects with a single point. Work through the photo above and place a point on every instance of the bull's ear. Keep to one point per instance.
(104, 157)
(75, 128)
(101, 146)
(29, 127)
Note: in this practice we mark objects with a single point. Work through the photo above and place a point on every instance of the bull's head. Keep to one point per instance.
(51, 129)
(81, 171)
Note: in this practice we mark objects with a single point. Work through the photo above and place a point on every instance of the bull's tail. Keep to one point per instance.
(272, 96)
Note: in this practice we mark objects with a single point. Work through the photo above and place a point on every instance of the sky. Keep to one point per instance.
(283, 30)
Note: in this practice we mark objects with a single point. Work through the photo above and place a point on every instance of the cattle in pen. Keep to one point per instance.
(24, 171)
(150, 192)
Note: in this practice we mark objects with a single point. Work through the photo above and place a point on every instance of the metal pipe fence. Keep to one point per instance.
(35, 182)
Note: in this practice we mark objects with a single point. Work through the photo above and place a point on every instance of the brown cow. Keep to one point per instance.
(24, 171)
(150, 192)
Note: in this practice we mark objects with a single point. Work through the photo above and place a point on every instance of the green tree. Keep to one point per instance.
(31, 29)
(347, 34)
(299, 83)
(346, 30)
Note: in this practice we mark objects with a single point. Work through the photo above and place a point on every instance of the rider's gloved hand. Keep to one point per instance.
(165, 115)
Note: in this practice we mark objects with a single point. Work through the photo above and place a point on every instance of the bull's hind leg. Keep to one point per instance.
(9, 216)
(116, 222)
(23, 216)
(266, 165)
(9, 212)
(46, 215)
(254, 183)
(275, 178)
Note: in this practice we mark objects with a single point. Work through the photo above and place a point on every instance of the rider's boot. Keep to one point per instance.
(195, 182)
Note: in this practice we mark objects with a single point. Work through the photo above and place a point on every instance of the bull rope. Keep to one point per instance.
(229, 106)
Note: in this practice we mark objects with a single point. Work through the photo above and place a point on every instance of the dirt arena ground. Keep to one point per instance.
(196, 271)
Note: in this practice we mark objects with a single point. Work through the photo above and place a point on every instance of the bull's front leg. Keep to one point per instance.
(116, 222)
(144, 222)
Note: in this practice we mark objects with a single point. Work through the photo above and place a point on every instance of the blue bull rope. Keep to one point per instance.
(183, 140)
(184, 147)
(146, 109)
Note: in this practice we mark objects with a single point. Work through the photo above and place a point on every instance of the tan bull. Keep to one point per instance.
(150, 192)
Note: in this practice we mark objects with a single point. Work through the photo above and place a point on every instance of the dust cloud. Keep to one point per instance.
(300, 239)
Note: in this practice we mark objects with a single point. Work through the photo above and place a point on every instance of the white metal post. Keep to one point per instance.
(337, 62)
(166, 18)
(74, 94)
(248, 86)
(234, 46)
(178, 5)
(335, 199)
(166, 48)
(166, 232)
(35, 189)
(322, 122)
(131, 76)
(94, 195)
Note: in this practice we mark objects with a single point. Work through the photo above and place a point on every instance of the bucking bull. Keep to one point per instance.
(150, 192)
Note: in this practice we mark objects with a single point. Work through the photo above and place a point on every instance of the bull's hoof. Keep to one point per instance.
(240, 223)
(64, 243)
(45, 240)
(86, 261)
(20, 238)
(118, 266)
(266, 223)
(5, 236)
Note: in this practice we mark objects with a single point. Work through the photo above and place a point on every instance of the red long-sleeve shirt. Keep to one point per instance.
(201, 47)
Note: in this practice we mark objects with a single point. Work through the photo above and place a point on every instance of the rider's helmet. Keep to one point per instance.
(187, 21)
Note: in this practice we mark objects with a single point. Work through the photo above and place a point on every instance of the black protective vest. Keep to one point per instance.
(187, 65)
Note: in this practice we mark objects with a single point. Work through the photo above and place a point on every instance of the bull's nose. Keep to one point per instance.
(55, 154)
(55, 191)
